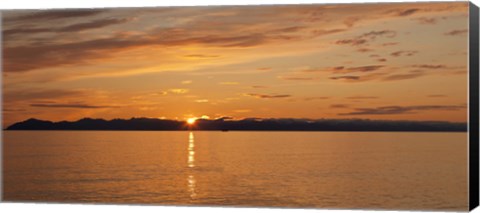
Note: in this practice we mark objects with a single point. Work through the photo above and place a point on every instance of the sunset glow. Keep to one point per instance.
(396, 61)
(191, 121)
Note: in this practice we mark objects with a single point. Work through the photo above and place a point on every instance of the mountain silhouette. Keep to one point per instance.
(248, 124)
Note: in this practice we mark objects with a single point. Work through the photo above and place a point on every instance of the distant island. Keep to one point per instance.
(248, 124)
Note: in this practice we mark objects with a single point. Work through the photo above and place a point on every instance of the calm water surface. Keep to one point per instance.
(374, 170)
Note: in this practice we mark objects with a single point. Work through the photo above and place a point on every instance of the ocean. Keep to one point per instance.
(332, 170)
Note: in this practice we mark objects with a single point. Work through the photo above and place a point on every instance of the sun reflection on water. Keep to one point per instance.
(191, 150)
(191, 186)
(191, 164)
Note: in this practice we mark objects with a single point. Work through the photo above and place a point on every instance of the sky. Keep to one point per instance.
(389, 61)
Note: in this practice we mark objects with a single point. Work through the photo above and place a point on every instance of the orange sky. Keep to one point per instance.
(399, 61)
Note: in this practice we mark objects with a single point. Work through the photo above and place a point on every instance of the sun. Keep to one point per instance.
(191, 121)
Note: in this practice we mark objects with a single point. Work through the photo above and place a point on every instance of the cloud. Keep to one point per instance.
(353, 42)
(425, 20)
(160, 93)
(367, 37)
(407, 12)
(404, 12)
(291, 29)
(336, 106)
(92, 25)
(202, 101)
(359, 97)
(346, 77)
(229, 83)
(364, 50)
(363, 68)
(374, 34)
(186, 82)
(259, 87)
(323, 32)
(394, 74)
(430, 66)
(316, 98)
(322, 69)
(55, 15)
(397, 77)
(267, 96)
(456, 32)
(54, 54)
(404, 53)
(18, 31)
(338, 70)
(178, 91)
(200, 56)
(83, 106)
(31, 57)
(40, 94)
(392, 110)
(298, 78)
(360, 78)
(343, 69)
(233, 32)
(390, 44)
(350, 21)
(28, 31)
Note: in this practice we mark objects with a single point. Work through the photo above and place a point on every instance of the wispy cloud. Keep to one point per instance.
(364, 50)
(336, 106)
(404, 53)
(367, 37)
(456, 32)
(201, 56)
(70, 28)
(346, 77)
(316, 98)
(40, 94)
(368, 68)
(390, 44)
(178, 91)
(83, 106)
(406, 76)
(360, 97)
(426, 20)
(405, 12)
(267, 96)
(229, 83)
(429, 66)
(298, 78)
(48, 55)
(55, 15)
(344, 69)
(391, 110)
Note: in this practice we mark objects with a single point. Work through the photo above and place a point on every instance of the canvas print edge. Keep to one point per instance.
(474, 106)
